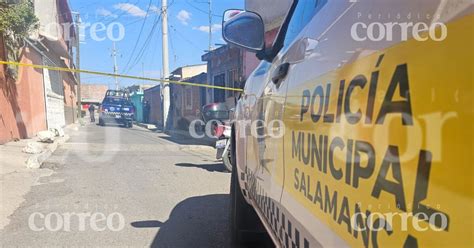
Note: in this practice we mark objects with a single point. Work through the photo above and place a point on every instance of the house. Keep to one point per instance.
(225, 69)
(32, 100)
(186, 101)
(139, 87)
(92, 94)
(136, 93)
(55, 44)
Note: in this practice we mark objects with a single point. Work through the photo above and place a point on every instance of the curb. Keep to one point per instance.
(36, 161)
(147, 126)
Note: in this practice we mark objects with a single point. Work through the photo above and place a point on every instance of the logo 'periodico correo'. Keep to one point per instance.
(55, 222)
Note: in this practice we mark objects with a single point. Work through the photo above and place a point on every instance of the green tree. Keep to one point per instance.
(17, 21)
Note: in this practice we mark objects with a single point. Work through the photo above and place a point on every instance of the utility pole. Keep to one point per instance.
(165, 86)
(114, 55)
(210, 25)
(78, 65)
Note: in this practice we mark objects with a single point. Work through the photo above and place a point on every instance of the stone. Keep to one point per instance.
(46, 136)
(33, 148)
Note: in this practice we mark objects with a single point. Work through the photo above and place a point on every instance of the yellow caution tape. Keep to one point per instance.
(117, 75)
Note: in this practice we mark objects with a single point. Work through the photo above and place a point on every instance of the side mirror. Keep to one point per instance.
(244, 29)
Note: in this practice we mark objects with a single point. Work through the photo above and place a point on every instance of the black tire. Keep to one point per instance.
(228, 160)
(101, 123)
(130, 125)
(245, 226)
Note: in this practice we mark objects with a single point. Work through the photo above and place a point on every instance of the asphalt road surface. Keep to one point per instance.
(114, 186)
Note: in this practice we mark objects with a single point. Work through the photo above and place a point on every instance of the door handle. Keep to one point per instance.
(280, 72)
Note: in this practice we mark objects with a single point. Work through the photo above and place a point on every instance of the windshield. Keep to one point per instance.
(218, 115)
(115, 100)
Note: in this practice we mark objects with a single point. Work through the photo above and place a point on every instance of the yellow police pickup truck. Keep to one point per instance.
(356, 130)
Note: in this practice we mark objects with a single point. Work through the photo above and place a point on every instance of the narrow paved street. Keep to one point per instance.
(133, 187)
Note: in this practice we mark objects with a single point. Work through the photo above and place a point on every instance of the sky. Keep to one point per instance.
(140, 54)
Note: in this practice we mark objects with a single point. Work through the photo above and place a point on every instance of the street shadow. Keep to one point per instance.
(217, 167)
(147, 224)
(200, 221)
(183, 140)
(109, 125)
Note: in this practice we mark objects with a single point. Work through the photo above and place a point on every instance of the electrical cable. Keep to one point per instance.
(139, 35)
(145, 45)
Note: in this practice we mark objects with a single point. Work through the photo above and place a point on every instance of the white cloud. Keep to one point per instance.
(215, 27)
(155, 9)
(105, 13)
(131, 9)
(184, 16)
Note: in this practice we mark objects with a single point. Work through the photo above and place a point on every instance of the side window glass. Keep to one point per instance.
(262, 68)
(304, 12)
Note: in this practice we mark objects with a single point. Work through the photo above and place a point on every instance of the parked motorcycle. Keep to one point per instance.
(223, 145)
(218, 118)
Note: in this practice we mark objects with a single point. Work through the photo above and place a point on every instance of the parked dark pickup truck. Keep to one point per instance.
(116, 108)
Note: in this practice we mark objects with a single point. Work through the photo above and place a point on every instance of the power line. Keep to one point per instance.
(145, 45)
(130, 23)
(152, 54)
(114, 55)
(172, 46)
(139, 35)
(201, 10)
(185, 38)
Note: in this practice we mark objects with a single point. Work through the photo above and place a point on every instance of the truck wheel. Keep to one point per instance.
(101, 123)
(245, 225)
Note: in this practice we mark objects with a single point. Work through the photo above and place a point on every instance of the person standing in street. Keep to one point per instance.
(92, 112)
(146, 111)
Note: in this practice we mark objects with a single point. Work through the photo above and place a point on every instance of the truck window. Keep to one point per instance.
(304, 12)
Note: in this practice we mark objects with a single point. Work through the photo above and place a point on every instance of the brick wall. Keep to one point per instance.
(93, 92)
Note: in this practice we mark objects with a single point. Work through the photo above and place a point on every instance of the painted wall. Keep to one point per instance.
(191, 71)
(47, 13)
(22, 104)
(137, 99)
(9, 129)
(153, 96)
(70, 98)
